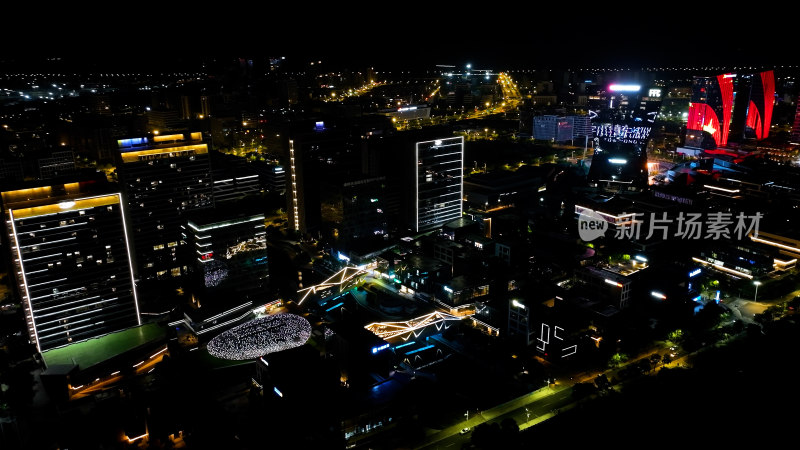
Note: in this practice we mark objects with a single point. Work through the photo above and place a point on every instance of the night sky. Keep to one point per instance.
(411, 36)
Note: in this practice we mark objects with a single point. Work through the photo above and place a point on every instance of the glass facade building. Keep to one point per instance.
(164, 178)
(439, 182)
(72, 262)
(230, 257)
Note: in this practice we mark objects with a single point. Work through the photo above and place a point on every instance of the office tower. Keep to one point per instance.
(438, 182)
(759, 109)
(315, 158)
(164, 178)
(621, 126)
(57, 163)
(229, 256)
(552, 128)
(730, 107)
(72, 262)
(234, 178)
(366, 207)
(710, 111)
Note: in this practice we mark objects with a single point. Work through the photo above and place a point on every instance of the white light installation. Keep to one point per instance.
(295, 210)
(388, 330)
(338, 279)
(261, 336)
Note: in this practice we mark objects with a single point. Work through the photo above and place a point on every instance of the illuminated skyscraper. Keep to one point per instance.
(622, 119)
(710, 111)
(230, 256)
(730, 107)
(72, 262)
(759, 109)
(164, 178)
(439, 182)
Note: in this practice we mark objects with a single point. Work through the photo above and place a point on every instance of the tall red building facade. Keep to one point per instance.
(711, 120)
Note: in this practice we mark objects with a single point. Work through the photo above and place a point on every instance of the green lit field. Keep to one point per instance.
(93, 351)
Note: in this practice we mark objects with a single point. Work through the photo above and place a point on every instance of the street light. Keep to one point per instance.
(757, 283)
(467, 415)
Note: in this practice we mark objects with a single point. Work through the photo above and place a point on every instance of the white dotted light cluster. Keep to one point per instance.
(261, 336)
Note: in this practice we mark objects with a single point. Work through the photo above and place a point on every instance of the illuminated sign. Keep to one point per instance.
(409, 108)
(695, 272)
(673, 198)
(448, 289)
(697, 299)
(641, 258)
(280, 394)
(658, 295)
(625, 87)
(377, 349)
(654, 93)
(618, 161)
(517, 304)
(613, 283)
(122, 143)
(621, 133)
(342, 257)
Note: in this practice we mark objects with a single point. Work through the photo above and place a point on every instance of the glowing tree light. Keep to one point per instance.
(261, 336)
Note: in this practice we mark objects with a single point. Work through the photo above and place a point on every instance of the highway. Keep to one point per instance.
(527, 411)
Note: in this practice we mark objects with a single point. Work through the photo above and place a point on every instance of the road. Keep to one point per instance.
(541, 405)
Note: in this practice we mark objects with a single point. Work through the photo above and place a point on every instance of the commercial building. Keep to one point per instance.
(164, 177)
(561, 129)
(622, 118)
(229, 257)
(71, 259)
(366, 207)
(614, 288)
(439, 182)
(730, 107)
(315, 157)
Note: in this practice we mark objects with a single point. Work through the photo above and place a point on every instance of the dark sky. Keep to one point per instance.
(488, 35)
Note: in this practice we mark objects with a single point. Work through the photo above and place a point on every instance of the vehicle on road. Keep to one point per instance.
(464, 430)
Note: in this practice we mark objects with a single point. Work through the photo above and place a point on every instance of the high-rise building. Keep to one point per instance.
(730, 107)
(552, 128)
(623, 117)
(315, 158)
(759, 109)
(438, 182)
(710, 111)
(366, 207)
(164, 178)
(72, 262)
(229, 256)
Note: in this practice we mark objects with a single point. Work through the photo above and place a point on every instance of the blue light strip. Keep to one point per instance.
(335, 306)
(405, 345)
(419, 350)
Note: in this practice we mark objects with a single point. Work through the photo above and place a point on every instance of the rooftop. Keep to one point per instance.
(94, 351)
